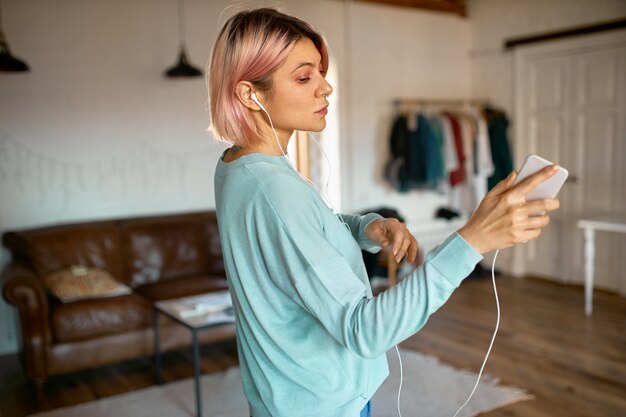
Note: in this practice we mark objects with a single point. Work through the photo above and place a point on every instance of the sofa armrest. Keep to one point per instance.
(23, 289)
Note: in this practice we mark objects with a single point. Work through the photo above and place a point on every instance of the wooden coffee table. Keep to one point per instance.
(198, 312)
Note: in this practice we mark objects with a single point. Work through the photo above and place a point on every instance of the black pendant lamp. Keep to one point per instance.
(182, 68)
(9, 63)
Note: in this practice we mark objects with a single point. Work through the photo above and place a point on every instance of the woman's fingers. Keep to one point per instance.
(406, 242)
(391, 234)
(400, 243)
(536, 222)
(526, 235)
(504, 217)
(403, 243)
(413, 249)
(529, 183)
(398, 237)
(538, 206)
(503, 185)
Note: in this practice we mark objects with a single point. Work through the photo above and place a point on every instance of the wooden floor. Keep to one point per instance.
(575, 366)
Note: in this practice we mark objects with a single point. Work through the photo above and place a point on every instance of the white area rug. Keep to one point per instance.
(430, 389)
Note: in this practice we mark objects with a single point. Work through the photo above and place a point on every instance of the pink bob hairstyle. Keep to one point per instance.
(250, 47)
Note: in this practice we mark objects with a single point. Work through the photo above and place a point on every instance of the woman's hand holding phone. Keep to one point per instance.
(504, 217)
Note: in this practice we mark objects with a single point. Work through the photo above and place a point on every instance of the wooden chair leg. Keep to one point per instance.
(392, 270)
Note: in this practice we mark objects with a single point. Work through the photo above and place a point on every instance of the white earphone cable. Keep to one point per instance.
(493, 277)
(325, 199)
(400, 387)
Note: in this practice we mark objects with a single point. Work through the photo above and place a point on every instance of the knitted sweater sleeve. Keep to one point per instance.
(358, 224)
(307, 268)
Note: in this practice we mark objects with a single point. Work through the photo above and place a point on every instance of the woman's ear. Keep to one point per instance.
(243, 91)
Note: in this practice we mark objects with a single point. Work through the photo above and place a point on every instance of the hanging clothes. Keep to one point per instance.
(457, 176)
(416, 149)
(426, 154)
(483, 163)
(439, 162)
(501, 156)
(460, 153)
(416, 155)
(450, 155)
(395, 170)
(462, 196)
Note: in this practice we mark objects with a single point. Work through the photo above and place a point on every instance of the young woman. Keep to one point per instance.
(311, 338)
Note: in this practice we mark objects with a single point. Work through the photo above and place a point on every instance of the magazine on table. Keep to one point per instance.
(215, 307)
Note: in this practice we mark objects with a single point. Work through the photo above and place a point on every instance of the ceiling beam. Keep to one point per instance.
(458, 7)
(566, 33)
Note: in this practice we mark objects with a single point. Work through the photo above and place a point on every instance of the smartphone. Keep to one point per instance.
(547, 189)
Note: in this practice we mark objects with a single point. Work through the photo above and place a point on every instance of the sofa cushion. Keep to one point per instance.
(163, 249)
(214, 246)
(181, 287)
(80, 283)
(94, 245)
(98, 317)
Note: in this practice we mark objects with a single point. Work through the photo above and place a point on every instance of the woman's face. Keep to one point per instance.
(299, 90)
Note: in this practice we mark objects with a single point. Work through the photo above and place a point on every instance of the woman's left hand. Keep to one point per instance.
(387, 232)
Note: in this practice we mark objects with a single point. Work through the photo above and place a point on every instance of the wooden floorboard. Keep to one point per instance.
(574, 365)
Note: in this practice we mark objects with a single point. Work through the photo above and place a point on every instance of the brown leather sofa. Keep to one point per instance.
(159, 257)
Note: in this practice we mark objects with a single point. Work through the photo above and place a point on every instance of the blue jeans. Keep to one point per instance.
(367, 410)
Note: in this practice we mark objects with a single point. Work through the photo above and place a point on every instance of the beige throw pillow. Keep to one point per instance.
(80, 282)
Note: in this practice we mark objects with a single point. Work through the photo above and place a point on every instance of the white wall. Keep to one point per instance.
(495, 21)
(397, 52)
(96, 131)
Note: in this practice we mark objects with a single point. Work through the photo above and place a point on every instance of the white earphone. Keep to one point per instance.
(256, 100)
(327, 201)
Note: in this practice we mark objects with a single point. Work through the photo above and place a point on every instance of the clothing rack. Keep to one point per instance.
(400, 103)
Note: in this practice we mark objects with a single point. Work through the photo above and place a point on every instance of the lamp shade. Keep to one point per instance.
(8, 63)
(183, 68)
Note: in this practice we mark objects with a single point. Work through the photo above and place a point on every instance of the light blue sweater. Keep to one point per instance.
(310, 336)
